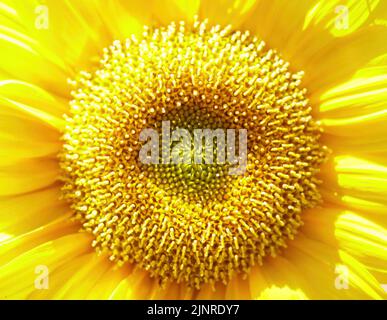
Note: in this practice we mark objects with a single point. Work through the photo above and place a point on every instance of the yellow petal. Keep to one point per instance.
(352, 232)
(82, 281)
(28, 175)
(14, 246)
(65, 36)
(326, 59)
(370, 78)
(282, 293)
(279, 23)
(360, 278)
(33, 96)
(27, 64)
(340, 18)
(316, 261)
(363, 239)
(278, 273)
(23, 213)
(238, 288)
(258, 281)
(375, 211)
(137, 285)
(62, 35)
(328, 62)
(108, 282)
(18, 277)
(126, 18)
(317, 255)
(59, 277)
(225, 12)
(19, 98)
(361, 178)
(175, 10)
(351, 108)
(23, 138)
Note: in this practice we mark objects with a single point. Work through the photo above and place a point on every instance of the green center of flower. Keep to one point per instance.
(190, 222)
(190, 180)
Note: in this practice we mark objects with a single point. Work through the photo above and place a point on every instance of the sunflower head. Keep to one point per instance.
(191, 223)
(190, 152)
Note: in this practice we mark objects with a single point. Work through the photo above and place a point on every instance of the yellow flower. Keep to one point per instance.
(81, 217)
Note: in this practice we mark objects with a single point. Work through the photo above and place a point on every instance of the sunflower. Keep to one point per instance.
(82, 218)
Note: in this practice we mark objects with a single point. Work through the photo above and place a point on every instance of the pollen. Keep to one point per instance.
(190, 223)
